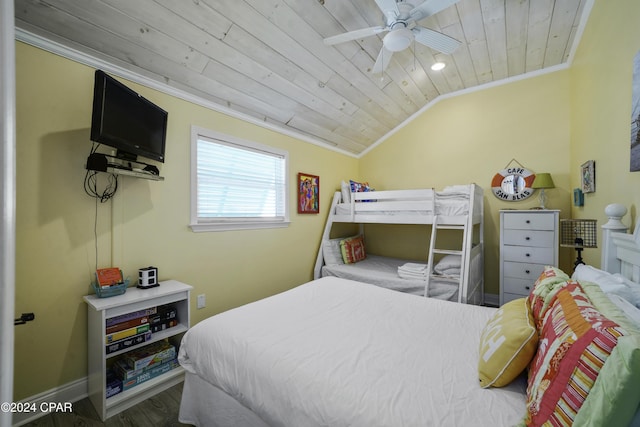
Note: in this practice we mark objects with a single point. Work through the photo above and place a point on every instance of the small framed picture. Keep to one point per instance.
(308, 193)
(588, 176)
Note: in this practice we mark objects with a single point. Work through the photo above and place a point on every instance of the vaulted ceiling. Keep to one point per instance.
(265, 60)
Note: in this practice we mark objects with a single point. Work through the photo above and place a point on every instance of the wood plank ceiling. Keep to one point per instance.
(266, 60)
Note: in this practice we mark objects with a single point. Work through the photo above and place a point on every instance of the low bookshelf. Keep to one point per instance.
(124, 328)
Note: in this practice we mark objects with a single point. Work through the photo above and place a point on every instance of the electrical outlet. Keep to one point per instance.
(202, 302)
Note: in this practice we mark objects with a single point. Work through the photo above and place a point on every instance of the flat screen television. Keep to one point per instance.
(124, 120)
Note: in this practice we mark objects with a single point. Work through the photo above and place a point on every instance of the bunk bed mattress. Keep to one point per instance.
(342, 353)
(383, 271)
(446, 207)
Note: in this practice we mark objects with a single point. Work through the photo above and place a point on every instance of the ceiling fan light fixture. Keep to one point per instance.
(438, 66)
(398, 40)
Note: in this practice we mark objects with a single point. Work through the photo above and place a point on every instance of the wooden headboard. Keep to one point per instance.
(621, 251)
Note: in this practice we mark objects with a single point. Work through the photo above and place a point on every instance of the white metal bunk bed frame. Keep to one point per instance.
(400, 207)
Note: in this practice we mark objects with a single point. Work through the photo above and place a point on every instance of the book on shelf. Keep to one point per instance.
(154, 371)
(133, 315)
(128, 342)
(164, 313)
(161, 326)
(117, 336)
(109, 276)
(127, 324)
(151, 354)
(114, 384)
(123, 371)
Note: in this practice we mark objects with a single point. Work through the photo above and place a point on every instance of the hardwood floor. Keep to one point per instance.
(158, 411)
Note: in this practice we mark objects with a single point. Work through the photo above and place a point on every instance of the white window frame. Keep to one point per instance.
(226, 224)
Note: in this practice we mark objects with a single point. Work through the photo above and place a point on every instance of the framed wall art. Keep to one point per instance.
(635, 116)
(588, 176)
(308, 193)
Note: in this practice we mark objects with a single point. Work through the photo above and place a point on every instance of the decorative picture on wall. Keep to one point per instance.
(635, 116)
(308, 193)
(588, 176)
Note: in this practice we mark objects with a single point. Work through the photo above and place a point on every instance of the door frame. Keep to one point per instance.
(7, 203)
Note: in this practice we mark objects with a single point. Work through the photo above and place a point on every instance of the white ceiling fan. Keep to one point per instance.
(401, 17)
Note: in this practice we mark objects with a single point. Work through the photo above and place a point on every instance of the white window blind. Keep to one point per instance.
(238, 184)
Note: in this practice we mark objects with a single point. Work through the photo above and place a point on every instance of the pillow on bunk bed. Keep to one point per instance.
(587, 365)
(331, 251)
(352, 249)
(507, 344)
(345, 191)
(361, 187)
(449, 265)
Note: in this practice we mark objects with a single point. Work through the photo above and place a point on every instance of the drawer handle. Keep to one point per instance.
(528, 221)
(527, 255)
(527, 271)
(527, 238)
(527, 287)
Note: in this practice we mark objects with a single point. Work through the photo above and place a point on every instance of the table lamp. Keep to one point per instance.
(578, 234)
(542, 181)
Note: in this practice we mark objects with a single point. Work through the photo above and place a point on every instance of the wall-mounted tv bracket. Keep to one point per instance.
(105, 163)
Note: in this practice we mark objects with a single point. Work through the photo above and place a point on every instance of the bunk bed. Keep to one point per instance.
(455, 275)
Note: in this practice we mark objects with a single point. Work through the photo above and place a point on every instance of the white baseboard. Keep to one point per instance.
(70, 392)
(492, 300)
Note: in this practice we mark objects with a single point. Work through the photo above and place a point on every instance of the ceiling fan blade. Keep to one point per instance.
(382, 62)
(389, 6)
(353, 35)
(435, 40)
(430, 7)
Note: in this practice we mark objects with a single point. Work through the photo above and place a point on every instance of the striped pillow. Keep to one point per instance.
(575, 342)
(544, 290)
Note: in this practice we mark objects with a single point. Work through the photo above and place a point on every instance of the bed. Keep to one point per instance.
(337, 352)
(457, 207)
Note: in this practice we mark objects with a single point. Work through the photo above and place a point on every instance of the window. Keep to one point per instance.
(236, 184)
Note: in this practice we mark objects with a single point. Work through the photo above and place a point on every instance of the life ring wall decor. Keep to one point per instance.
(513, 184)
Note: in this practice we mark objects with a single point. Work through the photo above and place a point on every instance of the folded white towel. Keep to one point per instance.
(412, 270)
(413, 267)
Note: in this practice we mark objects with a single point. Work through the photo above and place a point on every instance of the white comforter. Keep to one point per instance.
(335, 352)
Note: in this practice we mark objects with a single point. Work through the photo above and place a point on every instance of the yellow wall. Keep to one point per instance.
(550, 123)
(471, 137)
(601, 77)
(55, 219)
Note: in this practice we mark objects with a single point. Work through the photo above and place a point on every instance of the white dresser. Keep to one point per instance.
(528, 241)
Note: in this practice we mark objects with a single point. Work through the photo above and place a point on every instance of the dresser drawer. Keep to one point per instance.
(522, 270)
(517, 286)
(506, 297)
(528, 254)
(529, 221)
(541, 239)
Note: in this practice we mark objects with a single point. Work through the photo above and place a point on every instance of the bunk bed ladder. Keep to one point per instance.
(463, 252)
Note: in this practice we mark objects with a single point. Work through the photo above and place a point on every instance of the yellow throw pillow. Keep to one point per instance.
(507, 344)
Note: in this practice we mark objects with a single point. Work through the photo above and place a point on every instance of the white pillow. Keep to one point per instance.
(634, 289)
(345, 189)
(331, 252)
(589, 273)
(609, 283)
(449, 264)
